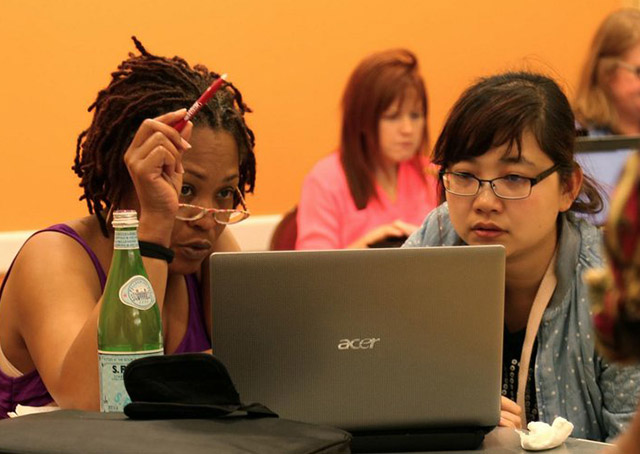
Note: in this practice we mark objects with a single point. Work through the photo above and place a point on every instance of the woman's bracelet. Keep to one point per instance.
(156, 251)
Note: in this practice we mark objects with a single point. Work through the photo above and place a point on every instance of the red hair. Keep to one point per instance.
(374, 85)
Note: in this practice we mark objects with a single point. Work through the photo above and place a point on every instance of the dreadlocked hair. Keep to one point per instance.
(146, 86)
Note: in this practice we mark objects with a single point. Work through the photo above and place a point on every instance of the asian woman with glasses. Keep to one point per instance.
(377, 188)
(509, 178)
(186, 188)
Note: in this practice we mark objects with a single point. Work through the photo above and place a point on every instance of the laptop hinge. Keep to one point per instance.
(440, 439)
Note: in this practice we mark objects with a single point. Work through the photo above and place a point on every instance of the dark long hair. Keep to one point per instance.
(498, 110)
(146, 86)
(374, 85)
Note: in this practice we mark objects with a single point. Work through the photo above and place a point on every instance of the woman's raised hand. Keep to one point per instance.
(154, 161)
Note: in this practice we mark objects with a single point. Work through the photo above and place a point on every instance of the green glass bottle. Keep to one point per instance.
(129, 326)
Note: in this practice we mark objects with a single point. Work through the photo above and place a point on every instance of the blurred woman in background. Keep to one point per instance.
(376, 189)
(608, 98)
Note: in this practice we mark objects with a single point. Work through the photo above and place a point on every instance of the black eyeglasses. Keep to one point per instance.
(509, 187)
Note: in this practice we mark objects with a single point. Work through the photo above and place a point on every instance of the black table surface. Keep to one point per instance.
(44, 433)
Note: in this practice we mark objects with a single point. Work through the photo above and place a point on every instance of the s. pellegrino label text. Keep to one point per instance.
(113, 394)
(129, 326)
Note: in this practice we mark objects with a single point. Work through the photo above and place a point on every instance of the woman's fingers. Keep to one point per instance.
(509, 405)
(156, 161)
(510, 413)
(385, 231)
(153, 128)
(396, 229)
(406, 228)
(154, 156)
(186, 132)
(153, 134)
(171, 117)
(162, 124)
(180, 139)
(506, 422)
(510, 420)
(159, 141)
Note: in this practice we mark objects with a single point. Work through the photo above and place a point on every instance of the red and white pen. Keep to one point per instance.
(202, 100)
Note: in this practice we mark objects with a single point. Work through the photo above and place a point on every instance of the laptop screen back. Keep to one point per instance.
(364, 339)
(603, 158)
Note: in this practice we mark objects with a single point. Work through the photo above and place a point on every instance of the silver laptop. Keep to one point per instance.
(364, 340)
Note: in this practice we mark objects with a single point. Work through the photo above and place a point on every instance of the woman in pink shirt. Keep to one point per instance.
(378, 187)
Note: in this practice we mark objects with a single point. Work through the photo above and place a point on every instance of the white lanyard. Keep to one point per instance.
(540, 303)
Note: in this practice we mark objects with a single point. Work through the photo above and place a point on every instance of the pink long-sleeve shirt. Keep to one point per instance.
(328, 217)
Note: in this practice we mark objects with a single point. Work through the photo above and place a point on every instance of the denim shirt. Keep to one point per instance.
(571, 379)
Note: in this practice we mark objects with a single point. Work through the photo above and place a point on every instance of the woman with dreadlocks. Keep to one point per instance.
(129, 158)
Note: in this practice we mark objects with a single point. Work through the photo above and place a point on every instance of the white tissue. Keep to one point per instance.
(22, 410)
(544, 436)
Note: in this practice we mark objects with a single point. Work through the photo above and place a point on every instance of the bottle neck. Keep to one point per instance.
(125, 238)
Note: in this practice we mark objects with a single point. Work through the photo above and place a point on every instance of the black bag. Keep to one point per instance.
(192, 385)
(82, 432)
(181, 403)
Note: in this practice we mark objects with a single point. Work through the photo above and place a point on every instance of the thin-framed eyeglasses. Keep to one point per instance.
(509, 187)
(629, 67)
(187, 212)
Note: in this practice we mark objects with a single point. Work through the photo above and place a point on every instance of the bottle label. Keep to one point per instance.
(113, 394)
(126, 239)
(138, 293)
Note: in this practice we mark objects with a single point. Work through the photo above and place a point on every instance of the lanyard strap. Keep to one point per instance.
(540, 303)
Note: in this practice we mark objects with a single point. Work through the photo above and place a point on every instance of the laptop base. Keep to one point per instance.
(445, 439)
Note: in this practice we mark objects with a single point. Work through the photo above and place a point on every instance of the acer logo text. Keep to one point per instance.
(358, 344)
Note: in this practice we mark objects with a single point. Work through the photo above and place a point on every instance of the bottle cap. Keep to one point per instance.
(124, 218)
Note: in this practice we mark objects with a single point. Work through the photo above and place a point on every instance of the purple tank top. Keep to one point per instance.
(29, 388)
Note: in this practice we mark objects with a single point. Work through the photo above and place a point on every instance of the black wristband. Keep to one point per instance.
(156, 251)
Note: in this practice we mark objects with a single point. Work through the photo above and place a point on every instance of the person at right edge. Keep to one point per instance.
(607, 100)
(608, 96)
(615, 289)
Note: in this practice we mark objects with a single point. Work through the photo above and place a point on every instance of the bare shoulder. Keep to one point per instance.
(49, 266)
(52, 289)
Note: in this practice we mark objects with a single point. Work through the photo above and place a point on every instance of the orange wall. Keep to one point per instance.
(290, 58)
